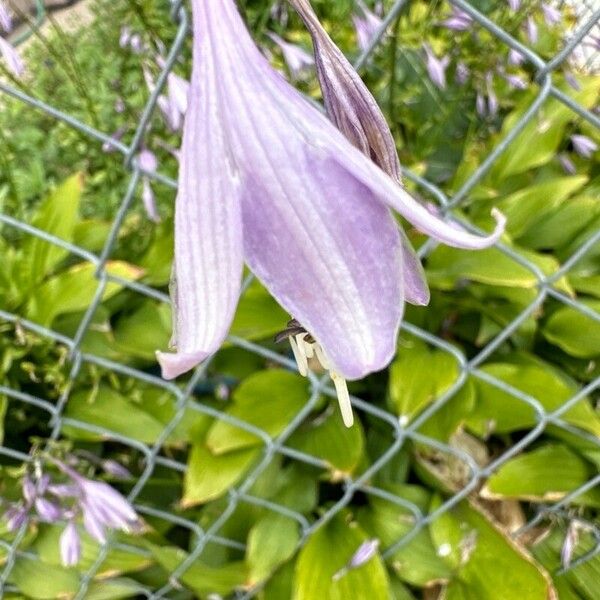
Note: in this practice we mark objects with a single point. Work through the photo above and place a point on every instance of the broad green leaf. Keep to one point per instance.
(297, 489)
(113, 589)
(492, 565)
(141, 333)
(74, 290)
(280, 585)
(209, 476)
(41, 581)
(107, 408)
(200, 578)
(268, 400)
(258, 314)
(547, 474)
(502, 412)
(418, 376)
(272, 541)
(91, 234)
(57, 215)
(576, 333)
(326, 437)
(326, 552)
(525, 208)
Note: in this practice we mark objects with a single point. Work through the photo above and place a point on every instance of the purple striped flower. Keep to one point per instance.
(515, 58)
(552, 15)
(532, 30)
(298, 60)
(265, 178)
(436, 67)
(366, 551)
(70, 545)
(515, 81)
(583, 145)
(47, 511)
(567, 164)
(459, 20)
(11, 57)
(5, 17)
(366, 25)
(514, 5)
(15, 517)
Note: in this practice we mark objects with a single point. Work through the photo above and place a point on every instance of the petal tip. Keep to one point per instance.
(173, 365)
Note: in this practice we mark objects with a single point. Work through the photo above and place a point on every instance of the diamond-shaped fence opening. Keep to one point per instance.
(456, 463)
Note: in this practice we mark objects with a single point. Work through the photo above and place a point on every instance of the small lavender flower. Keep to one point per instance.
(148, 162)
(173, 106)
(366, 551)
(48, 511)
(70, 545)
(436, 67)
(119, 105)
(124, 37)
(552, 15)
(459, 20)
(29, 490)
(15, 517)
(583, 145)
(296, 58)
(532, 30)
(572, 81)
(480, 105)
(5, 17)
(515, 57)
(366, 25)
(13, 61)
(492, 99)
(514, 5)
(136, 44)
(108, 146)
(117, 470)
(516, 81)
(462, 73)
(567, 164)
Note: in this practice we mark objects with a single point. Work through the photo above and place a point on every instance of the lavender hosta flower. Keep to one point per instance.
(459, 20)
(5, 17)
(173, 106)
(108, 146)
(567, 164)
(47, 511)
(266, 178)
(70, 545)
(11, 57)
(515, 58)
(492, 100)
(366, 25)
(117, 470)
(531, 29)
(583, 145)
(124, 37)
(436, 67)
(177, 89)
(572, 81)
(514, 5)
(552, 15)
(480, 105)
(148, 162)
(15, 517)
(366, 551)
(515, 81)
(462, 73)
(296, 58)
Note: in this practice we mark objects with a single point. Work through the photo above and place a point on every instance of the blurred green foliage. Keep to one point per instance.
(465, 553)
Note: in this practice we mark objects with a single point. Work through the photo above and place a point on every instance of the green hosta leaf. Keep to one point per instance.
(418, 376)
(447, 266)
(41, 581)
(559, 227)
(107, 408)
(209, 476)
(490, 564)
(146, 330)
(271, 542)
(497, 410)
(200, 578)
(57, 215)
(576, 333)
(258, 315)
(546, 474)
(74, 290)
(525, 208)
(268, 400)
(91, 234)
(327, 438)
(327, 551)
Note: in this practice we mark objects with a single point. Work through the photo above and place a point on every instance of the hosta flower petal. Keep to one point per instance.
(5, 17)
(13, 61)
(70, 545)
(208, 227)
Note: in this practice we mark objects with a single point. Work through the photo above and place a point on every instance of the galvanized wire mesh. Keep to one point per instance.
(184, 398)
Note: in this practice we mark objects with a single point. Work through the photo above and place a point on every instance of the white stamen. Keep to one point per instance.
(343, 398)
(300, 357)
(322, 358)
(309, 350)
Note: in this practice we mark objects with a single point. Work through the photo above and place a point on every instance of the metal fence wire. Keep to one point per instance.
(184, 398)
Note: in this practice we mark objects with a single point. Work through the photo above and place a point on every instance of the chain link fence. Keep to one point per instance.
(185, 400)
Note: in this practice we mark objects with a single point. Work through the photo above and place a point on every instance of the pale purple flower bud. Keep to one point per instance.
(125, 37)
(532, 30)
(112, 467)
(119, 105)
(515, 57)
(480, 105)
(567, 164)
(462, 73)
(178, 89)
(93, 524)
(436, 67)
(514, 4)
(569, 545)
(29, 490)
(516, 81)
(459, 20)
(172, 116)
(5, 17)
(42, 484)
(63, 490)
(552, 15)
(149, 201)
(572, 81)
(593, 41)
(583, 145)
(136, 44)
(296, 58)
(366, 25)
(364, 554)
(493, 105)
(15, 517)
(147, 161)
(47, 510)
(108, 147)
(70, 545)
(13, 61)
